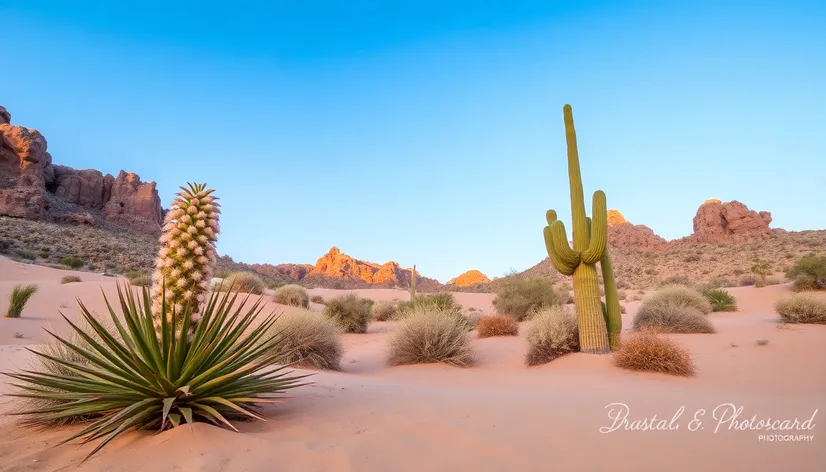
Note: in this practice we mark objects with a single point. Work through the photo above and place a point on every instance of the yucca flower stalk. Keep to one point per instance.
(128, 376)
(187, 255)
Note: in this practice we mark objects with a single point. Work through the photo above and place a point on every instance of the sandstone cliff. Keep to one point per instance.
(31, 187)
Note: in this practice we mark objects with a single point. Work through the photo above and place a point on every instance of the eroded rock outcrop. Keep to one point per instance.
(469, 279)
(717, 221)
(621, 233)
(27, 178)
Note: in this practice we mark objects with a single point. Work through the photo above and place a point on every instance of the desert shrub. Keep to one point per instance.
(676, 280)
(682, 296)
(774, 280)
(219, 373)
(317, 299)
(292, 295)
(645, 351)
(517, 296)
(439, 300)
(18, 298)
(473, 319)
(72, 262)
(746, 280)
(664, 316)
(623, 310)
(141, 281)
(67, 279)
(385, 311)
(720, 300)
(808, 273)
(350, 311)
(27, 255)
(430, 335)
(309, 339)
(245, 282)
(807, 307)
(497, 325)
(551, 333)
(4, 246)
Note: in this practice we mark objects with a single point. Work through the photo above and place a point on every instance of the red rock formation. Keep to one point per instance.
(27, 176)
(716, 221)
(293, 271)
(621, 233)
(469, 279)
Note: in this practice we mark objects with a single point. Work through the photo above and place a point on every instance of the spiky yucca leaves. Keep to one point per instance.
(187, 255)
(133, 377)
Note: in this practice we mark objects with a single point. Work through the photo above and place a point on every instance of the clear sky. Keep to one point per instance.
(430, 132)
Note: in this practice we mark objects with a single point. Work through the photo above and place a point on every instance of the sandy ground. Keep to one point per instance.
(497, 416)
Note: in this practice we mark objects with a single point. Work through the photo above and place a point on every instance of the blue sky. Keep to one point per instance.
(430, 132)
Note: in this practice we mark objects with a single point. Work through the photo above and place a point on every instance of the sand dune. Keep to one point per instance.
(498, 416)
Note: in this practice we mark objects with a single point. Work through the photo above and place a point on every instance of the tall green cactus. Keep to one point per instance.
(590, 236)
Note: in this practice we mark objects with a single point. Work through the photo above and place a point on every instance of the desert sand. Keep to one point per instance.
(496, 416)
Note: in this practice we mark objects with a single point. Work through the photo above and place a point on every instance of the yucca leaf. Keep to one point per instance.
(123, 427)
(212, 411)
(187, 412)
(167, 405)
(229, 404)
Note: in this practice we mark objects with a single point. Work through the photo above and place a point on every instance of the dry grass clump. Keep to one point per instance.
(350, 311)
(292, 295)
(318, 299)
(681, 296)
(430, 335)
(518, 296)
(68, 279)
(245, 282)
(439, 301)
(648, 352)
(385, 311)
(668, 317)
(551, 333)
(746, 280)
(18, 298)
(497, 325)
(805, 307)
(309, 339)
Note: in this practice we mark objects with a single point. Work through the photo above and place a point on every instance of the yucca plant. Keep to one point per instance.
(129, 376)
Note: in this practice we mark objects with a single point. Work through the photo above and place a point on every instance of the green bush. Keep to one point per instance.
(223, 371)
(518, 296)
(350, 311)
(72, 262)
(720, 300)
(292, 295)
(808, 273)
(18, 298)
(67, 279)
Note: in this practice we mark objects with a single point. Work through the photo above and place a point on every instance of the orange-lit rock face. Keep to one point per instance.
(469, 279)
(615, 218)
(712, 200)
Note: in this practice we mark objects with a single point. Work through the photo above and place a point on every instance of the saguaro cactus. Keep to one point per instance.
(187, 255)
(590, 236)
(413, 283)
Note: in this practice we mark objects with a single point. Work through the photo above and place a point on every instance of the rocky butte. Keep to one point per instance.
(31, 187)
(716, 221)
(622, 233)
(469, 279)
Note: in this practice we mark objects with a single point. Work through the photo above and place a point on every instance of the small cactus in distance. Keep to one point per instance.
(187, 255)
(413, 283)
(599, 323)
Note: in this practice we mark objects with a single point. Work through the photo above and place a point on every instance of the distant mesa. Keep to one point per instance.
(621, 233)
(469, 279)
(716, 221)
(31, 187)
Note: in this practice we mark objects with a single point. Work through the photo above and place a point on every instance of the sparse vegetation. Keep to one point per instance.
(309, 339)
(430, 335)
(674, 309)
(746, 280)
(141, 281)
(551, 333)
(648, 352)
(518, 296)
(440, 300)
(805, 307)
(808, 273)
(68, 279)
(720, 300)
(292, 295)
(676, 280)
(72, 262)
(762, 342)
(350, 311)
(245, 282)
(385, 311)
(761, 269)
(681, 296)
(18, 298)
(318, 299)
(497, 325)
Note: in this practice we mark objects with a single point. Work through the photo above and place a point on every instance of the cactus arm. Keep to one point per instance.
(560, 244)
(613, 313)
(559, 265)
(597, 230)
(580, 232)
